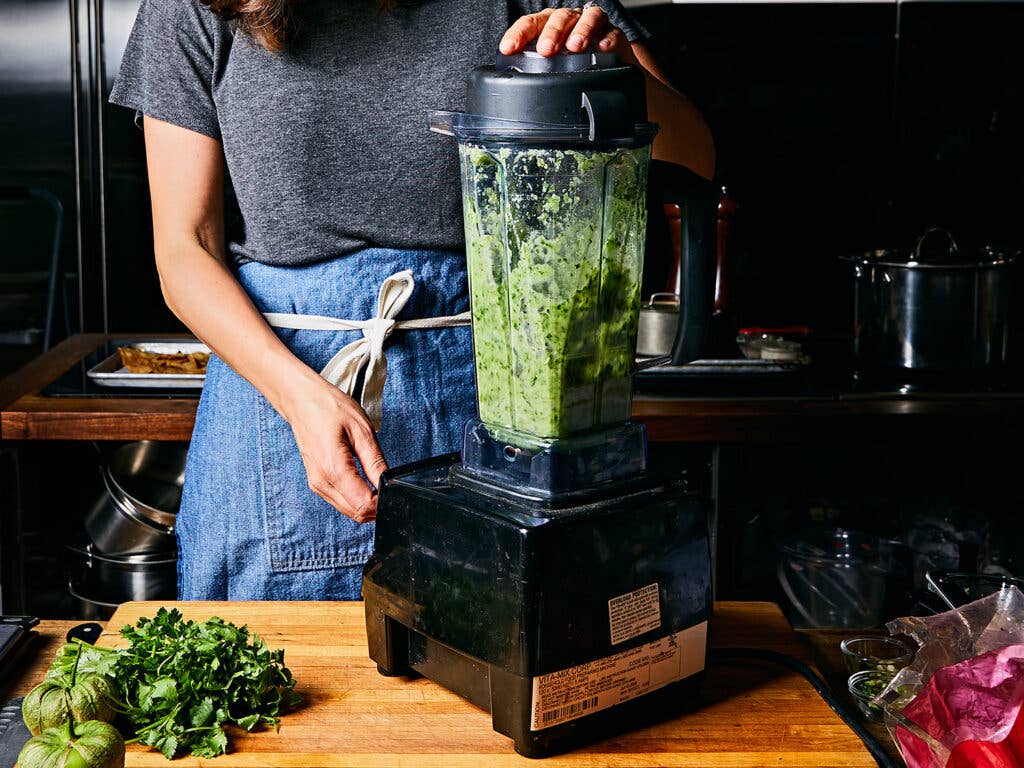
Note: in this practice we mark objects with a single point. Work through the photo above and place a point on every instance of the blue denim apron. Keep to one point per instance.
(249, 528)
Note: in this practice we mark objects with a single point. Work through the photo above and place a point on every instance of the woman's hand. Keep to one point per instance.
(684, 138)
(575, 29)
(332, 431)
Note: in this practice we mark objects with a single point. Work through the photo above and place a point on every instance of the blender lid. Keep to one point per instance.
(566, 98)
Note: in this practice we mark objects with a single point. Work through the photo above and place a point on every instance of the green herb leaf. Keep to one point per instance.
(201, 713)
(182, 679)
(212, 742)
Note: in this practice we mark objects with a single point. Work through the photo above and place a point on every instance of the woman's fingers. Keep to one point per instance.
(557, 28)
(613, 40)
(524, 30)
(367, 450)
(574, 28)
(321, 483)
(341, 485)
(591, 24)
(332, 496)
(347, 480)
(332, 432)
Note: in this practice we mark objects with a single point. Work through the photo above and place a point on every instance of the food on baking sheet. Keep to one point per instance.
(140, 361)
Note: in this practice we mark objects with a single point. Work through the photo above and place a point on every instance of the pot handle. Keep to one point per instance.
(952, 246)
(669, 294)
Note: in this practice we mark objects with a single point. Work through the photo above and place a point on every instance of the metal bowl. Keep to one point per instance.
(138, 510)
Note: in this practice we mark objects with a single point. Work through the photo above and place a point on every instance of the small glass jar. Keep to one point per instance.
(876, 654)
(865, 686)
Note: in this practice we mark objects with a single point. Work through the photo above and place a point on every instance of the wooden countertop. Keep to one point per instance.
(749, 716)
(27, 415)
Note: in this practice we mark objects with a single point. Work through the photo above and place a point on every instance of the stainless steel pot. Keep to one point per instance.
(659, 323)
(946, 313)
(137, 512)
(116, 579)
(85, 608)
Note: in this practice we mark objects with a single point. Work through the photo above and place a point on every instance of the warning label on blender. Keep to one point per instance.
(578, 691)
(634, 613)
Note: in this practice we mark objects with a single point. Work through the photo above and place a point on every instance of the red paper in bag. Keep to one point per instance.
(972, 708)
(983, 754)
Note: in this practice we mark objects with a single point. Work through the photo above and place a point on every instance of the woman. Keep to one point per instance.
(313, 113)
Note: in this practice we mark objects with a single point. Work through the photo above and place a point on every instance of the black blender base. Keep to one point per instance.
(568, 626)
(500, 693)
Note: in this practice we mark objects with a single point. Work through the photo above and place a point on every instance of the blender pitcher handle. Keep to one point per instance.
(697, 199)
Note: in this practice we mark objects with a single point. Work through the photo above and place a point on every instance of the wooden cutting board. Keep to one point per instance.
(750, 714)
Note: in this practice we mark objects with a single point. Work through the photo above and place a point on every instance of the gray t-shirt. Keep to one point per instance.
(326, 142)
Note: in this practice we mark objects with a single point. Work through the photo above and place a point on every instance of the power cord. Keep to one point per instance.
(878, 752)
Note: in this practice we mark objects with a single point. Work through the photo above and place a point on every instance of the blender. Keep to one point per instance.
(546, 573)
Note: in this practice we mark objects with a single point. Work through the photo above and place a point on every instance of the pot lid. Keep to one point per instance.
(565, 98)
(936, 249)
(896, 257)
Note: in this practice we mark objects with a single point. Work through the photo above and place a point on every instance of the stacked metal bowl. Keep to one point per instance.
(130, 551)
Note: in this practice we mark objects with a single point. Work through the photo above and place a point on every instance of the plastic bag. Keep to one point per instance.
(959, 703)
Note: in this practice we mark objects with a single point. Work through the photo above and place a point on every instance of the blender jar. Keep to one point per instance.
(554, 165)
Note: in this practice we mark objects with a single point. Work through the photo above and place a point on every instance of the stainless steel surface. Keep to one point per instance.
(86, 608)
(117, 579)
(648, 363)
(151, 474)
(658, 325)
(132, 287)
(137, 512)
(737, 366)
(988, 257)
(918, 316)
(110, 372)
(58, 59)
(37, 139)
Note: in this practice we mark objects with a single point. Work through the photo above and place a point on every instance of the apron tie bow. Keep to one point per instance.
(366, 355)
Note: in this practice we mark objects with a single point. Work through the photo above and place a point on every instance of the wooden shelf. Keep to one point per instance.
(25, 414)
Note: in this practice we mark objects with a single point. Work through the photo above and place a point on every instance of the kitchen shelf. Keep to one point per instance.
(26, 414)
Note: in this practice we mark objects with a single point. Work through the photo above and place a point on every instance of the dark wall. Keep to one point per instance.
(843, 127)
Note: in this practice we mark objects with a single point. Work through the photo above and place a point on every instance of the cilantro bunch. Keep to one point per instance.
(179, 682)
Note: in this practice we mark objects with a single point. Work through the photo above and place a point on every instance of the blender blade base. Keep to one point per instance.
(567, 627)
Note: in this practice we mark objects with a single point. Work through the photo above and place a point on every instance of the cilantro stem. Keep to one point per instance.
(74, 669)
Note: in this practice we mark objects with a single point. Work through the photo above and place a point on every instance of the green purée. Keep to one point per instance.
(554, 244)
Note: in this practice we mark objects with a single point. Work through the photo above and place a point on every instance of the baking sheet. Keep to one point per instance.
(737, 366)
(110, 372)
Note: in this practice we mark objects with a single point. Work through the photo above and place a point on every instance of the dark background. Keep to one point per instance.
(844, 127)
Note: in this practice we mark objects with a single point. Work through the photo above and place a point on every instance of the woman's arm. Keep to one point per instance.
(186, 180)
(684, 137)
